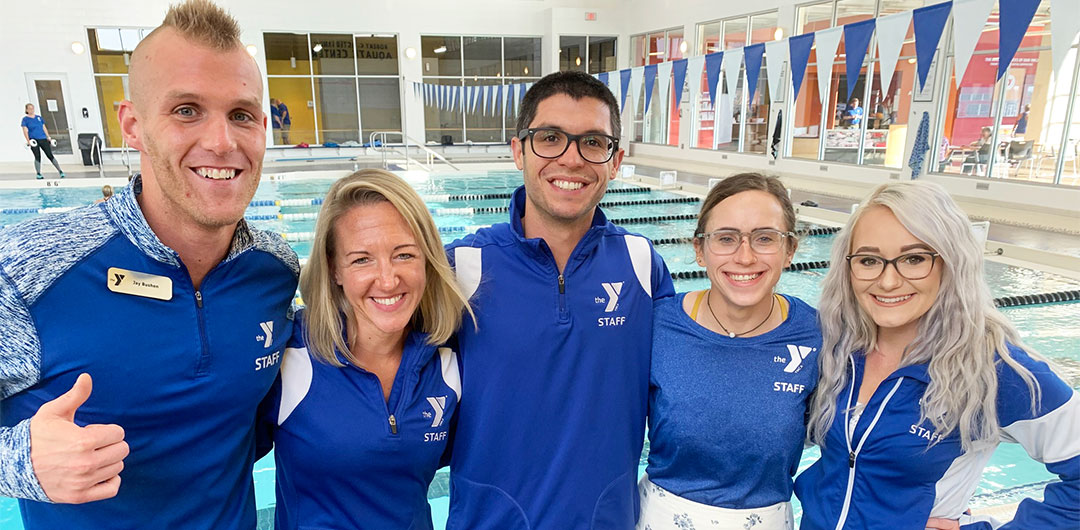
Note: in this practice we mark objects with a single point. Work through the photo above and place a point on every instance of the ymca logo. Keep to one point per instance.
(798, 354)
(268, 333)
(612, 289)
(118, 278)
(439, 404)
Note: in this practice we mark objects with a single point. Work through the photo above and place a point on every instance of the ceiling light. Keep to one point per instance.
(440, 49)
(252, 50)
(778, 34)
(410, 53)
(526, 70)
(577, 61)
(77, 48)
(683, 46)
(317, 48)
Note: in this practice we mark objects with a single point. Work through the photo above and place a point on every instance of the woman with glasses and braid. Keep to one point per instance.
(733, 368)
(922, 377)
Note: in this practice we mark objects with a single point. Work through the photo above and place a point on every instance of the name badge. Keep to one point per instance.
(134, 283)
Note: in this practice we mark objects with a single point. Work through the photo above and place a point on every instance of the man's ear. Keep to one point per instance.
(130, 127)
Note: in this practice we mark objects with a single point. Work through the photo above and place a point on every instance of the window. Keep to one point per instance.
(659, 125)
(586, 54)
(110, 54)
(476, 61)
(337, 87)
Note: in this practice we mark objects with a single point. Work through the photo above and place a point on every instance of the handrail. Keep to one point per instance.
(431, 154)
(95, 147)
(124, 157)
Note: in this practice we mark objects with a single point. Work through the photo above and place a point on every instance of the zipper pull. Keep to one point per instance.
(198, 298)
(393, 424)
(851, 459)
(562, 284)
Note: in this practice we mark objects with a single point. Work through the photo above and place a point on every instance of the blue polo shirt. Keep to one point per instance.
(35, 126)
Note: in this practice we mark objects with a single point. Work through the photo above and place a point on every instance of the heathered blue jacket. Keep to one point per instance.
(887, 477)
(182, 376)
(556, 380)
(346, 457)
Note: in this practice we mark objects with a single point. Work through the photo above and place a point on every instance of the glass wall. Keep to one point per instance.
(476, 61)
(588, 54)
(337, 88)
(110, 54)
(659, 125)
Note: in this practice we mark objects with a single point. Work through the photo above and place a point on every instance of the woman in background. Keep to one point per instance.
(37, 137)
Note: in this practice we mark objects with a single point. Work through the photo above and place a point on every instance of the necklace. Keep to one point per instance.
(732, 334)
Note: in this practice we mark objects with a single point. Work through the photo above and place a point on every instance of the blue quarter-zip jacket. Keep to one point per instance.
(348, 458)
(182, 376)
(886, 476)
(556, 378)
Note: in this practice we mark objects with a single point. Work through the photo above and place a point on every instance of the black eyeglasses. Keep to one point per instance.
(552, 143)
(913, 266)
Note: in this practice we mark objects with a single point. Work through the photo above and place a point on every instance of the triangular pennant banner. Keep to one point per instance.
(752, 55)
(602, 77)
(713, 61)
(1015, 18)
(637, 77)
(828, 40)
(969, 19)
(475, 101)
(799, 51)
(929, 25)
(520, 96)
(776, 54)
(510, 97)
(502, 98)
(663, 75)
(694, 66)
(891, 31)
(856, 43)
(732, 62)
(484, 99)
(1063, 31)
(678, 72)
(624, 87)
(614, 81)
(650, 81)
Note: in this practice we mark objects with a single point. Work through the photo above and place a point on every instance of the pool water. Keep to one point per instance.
(1010, 475)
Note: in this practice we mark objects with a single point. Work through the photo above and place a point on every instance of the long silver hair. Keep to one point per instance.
(959, 337)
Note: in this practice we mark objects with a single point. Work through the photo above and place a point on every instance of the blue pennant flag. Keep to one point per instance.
(678, 71)
(799, 55)
(521, 92)
(752, 59)
(603, 78)
(650, 80)
(712, 74)
(856, 42)
(624, 86)
(1016, 16)
(929, 25)
(498, 100)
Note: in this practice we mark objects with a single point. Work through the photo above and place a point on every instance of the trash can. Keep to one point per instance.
(90, 146)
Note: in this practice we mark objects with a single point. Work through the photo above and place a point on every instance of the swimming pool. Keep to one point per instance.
(288, 206)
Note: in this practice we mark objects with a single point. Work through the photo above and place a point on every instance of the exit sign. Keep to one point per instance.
(590, 15)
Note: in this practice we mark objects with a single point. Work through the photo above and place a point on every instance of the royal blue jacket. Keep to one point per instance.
(556, 378)
(891, 478)
(727, 416)
(348, 458)
(183, 376)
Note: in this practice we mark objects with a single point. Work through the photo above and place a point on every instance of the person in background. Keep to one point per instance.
(854, 113)
(754, 351)
(556, 375)
(1020, 127)
(922, 377)
(286, 122)
(106, 194)
(37, 137)
(361, 413)
(168, 403)
(275, 120)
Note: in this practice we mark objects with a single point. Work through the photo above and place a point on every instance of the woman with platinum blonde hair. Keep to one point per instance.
(921, 377)
(359, 418)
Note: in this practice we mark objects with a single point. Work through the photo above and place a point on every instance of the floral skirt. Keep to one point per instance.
(663, 510)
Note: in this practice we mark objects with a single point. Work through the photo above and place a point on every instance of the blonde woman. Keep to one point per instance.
(922, 377)
(361, 413)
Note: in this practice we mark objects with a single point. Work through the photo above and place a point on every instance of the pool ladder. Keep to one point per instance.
(385, 150)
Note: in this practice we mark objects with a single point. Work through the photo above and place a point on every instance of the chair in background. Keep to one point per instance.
(1018, 152)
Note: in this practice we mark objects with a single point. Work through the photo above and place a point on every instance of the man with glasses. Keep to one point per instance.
(556, 373)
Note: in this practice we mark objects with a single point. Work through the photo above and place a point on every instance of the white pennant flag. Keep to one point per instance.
(694, 67)
(1063, 30)
(731, 62)
(637, 78)
(969, 19)
(477, 94)
(614, 86)
(494, 99)
(505, 93)
(517, 100)
(663, 74)
(485, 99)
(891, 31)
(776, 56)
(827, 41)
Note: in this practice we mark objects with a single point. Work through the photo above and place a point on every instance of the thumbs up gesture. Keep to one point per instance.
(75, 464)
